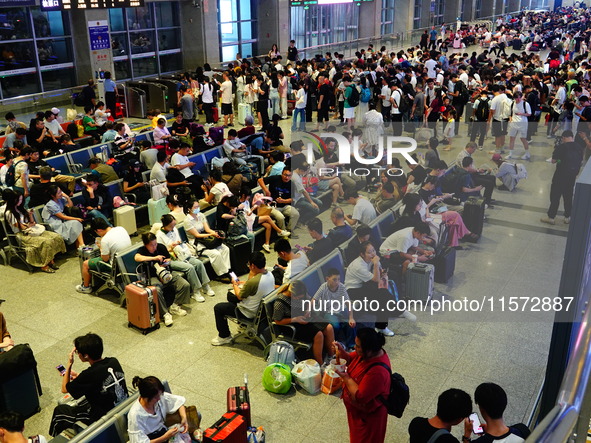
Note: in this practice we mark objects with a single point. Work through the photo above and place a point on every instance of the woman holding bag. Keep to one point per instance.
(366, 380)
(40, 245)
(206, 241)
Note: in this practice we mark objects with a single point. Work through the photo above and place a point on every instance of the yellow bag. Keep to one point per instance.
(80, 130)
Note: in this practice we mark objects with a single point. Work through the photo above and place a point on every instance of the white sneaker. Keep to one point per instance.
(177, 310)
(206, 289)
(386, 332)
(548, 220)
(84, 289)
(267, 248)
(526, 156)
(198, 297)
(566, 220)
(218, 341)
(409, 316)
(549, 160)
(284, 233)
(168, 319)
(510, 155)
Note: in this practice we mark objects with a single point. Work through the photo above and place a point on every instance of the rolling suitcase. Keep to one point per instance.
(215, 112)
(243, 111)
(473, 214)
(217, 135)
(238, 400)
(231, 428)
(20, 387)
(87, 252)
(419, 281)
(240, 251)
(156, 209)
(125, 216)
(143, 311)
(445, 265)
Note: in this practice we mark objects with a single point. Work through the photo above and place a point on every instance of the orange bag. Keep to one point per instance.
(331, 381)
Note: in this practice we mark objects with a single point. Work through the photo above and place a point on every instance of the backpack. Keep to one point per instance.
(437, 434)
(464, 94)
(79, 99)
(482, 110)
(451, 179)
(365, 94)
(507, 107)
(10, 179)
(282, 352)
(399, 395)
(237, 226)
(353, 99)
(404, 104)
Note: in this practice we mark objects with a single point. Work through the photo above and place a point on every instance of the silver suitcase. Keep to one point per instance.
(125, 217)
(419, 281)
(87, 252)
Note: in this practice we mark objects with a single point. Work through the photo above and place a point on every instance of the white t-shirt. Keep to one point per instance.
(430, 65)
(114, 241)
(364, 212)
(158, 172)
(168, 238)
(400, 241)
(301, 94)
(219, 191)
(521, 107)
(395, 100)
(178, 159)
(497, 104)
(226, 89)
(140, 423)
(358, 273)
(53, 126)
(250, 304)
(206, 93)
(295, 266)
(297, 187)
(386, 93)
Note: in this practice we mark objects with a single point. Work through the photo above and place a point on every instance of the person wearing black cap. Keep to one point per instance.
(133, 183)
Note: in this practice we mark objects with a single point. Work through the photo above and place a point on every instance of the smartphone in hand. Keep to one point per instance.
(61, 369)
(476, 426)
(234, 276)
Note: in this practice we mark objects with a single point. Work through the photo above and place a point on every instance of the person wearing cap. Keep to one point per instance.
(508, 173)
(59, 118)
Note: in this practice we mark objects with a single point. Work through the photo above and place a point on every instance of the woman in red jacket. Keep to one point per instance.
(365, 381)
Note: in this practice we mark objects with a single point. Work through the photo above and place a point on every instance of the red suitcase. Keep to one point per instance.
(239, 401)
(215, 114)
(231, 428)
(143, 311)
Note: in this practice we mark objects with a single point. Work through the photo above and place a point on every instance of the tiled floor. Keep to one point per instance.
(514, 258)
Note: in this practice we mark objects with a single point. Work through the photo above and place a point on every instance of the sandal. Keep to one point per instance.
(48, 270)
(53, 266)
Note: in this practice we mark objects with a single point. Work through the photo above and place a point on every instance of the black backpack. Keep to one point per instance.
(464, 94)
(353, 99)
(10, 179)
(399, 395)
(482, 110)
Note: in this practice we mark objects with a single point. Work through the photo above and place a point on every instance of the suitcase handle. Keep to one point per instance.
(219, 428)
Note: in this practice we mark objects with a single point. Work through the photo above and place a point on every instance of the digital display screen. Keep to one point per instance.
(59, 5)
(324, 2)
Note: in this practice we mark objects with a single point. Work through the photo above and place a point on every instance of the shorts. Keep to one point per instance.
(322, 115)
(227, 109)
(518, 130)
(498, 128)
(349, 113)
(98, 264)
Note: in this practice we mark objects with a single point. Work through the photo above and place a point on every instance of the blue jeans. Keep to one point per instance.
(302, 113)
(95, 213)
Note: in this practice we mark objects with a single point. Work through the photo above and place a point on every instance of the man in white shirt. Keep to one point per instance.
(395, 99)
(520, 111)
(296, 261)
(498, 118)
(227, 98)
(363, 211)
(430, 65)
(111, 241)
(403, 244)
(238, 151)
(385, 97)
(161, 133)
(180, 161)
(158, 171)
(53, 125)
(247, 297)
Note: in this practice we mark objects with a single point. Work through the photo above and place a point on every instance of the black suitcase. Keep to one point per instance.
(20, 387)
(473, 214)
(445, 265)
(240, 252)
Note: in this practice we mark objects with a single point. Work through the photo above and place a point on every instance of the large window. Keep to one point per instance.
(417, 14)
(387, 26)
(146, 41)
(237, 19)
(35, 51)
(437, 7)
(324, 24)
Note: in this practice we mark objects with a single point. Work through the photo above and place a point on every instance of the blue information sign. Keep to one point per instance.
(99, 38)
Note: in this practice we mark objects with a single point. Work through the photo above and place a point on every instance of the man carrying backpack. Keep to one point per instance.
(461, 96)
(397, 101)
(351, 101)
(480, 112)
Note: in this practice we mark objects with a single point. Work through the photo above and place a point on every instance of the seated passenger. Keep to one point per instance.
(106, 172)
(215, 190)
(342, 322)
(508, 173)
(153, 252)
(90, 126)
(247, 298)
(232, 177)
(342, 231)
(70, 228)
(322, 245)
(6, 343)
(185, 262)
(203, 238)
(297, 262)
(288, 303)
(492, 401)
(362, 234)
(110, 241)
(453, 407)
(40, 249)
(239, 153)
(176, 209)
(363, 211)
(103, 384)
(12, 426)
(133, 183)
(401, 245)
(97, 199)
(145, 421)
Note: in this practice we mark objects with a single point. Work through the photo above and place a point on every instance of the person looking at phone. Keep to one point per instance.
(453, 407)
(296, 261)
(279, 188)
(402, 245)
(492, 401)
(322, 245)
(103, 385)
(124, 144)
(12, 426)
(97, 200)
(151, 253)
(145, 421)
(215, 189)
(243, 301)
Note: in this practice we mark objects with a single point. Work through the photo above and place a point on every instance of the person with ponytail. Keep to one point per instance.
(145, 421)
